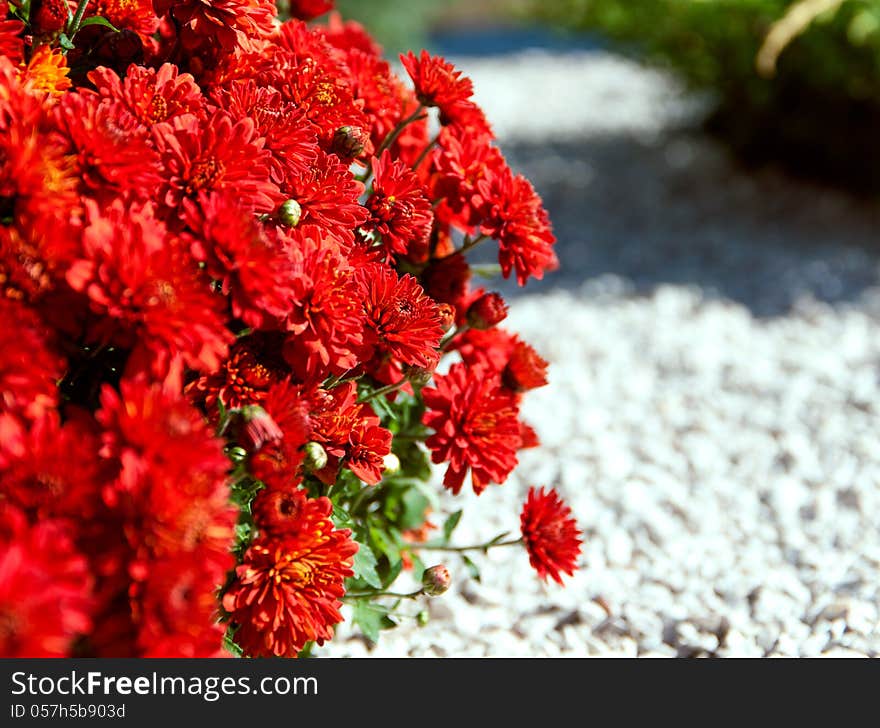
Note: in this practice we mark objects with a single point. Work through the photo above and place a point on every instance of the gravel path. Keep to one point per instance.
(712, 416)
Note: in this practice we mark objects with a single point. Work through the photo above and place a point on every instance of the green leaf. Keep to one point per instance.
(370, 618)
(418, 567)
(472, 568)
(365, 566)
(413, 511)
(341, 519)
(65, 42)
(500, 537)
(383, 408)
(450, 524)
(98, 20)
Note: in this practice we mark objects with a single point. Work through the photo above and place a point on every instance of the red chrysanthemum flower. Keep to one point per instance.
(511, 359)
(326, 315)
(151, 95)
(348, 431)
(399, 210)
(550, 533)
(113, 151)
(149, 291)
(368, 445)
(135, 15)
(253, 366)
(328, 196)
(475, 427)
(286, 591)
(278, 511)
(45, 585)
(514, 215)
(438, 83)
(48, 16)
(400, 319)
(252, 268)
(350, 35)
(277, 463)
(11, 43)
(374, 83)
(221, 154)
(29, 368)
(308, 9)
(226, 24)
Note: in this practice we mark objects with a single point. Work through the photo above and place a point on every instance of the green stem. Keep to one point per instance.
(391, 138)
(387, 389)
(368, 595)
(460, 549)
(77, 18)
(468, 245)
(444, 345)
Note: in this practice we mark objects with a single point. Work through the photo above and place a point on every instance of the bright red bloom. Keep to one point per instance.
(437, 82)
(252, 268)
(286, 592)
(400, 319)
(487, 311)
(48, 16)
(226, 24)
(375, 84)
(11, 44)
(278, 511)
(550, 533)
(326, 316)
(277, 463)
(400, 212)
(475, 427)
(308, 9)
(45, 586)
(349, 433)
(29, 368)
(244, 378)
(150, 95)
(291, 141)
(515, 362)
(136, 15)
(150, 293)
(328, 195)
(221, 154)
(368, 445)
(514, 215)
(112, 149)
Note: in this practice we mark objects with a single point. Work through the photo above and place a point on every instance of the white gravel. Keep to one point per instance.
(721, 453)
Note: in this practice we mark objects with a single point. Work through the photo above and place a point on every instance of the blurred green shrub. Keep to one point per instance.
(819, 111)
(398, 26)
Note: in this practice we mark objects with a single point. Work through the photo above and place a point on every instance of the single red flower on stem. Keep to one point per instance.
(287, 590)
(551, 535)
(475, 427)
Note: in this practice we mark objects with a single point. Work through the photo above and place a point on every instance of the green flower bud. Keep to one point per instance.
(290, 213)
(315, 456)
(436, 580)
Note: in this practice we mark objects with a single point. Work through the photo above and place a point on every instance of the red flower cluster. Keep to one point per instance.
(226, 242)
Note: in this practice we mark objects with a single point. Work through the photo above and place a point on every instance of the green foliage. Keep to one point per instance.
(824, 95)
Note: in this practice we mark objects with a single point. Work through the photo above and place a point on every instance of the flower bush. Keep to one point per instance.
(232, 258)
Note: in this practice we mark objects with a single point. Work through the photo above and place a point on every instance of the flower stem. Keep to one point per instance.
(387, 389)
(468, 245)
(460, 549)
(444, 345)
(391, 138)
(77, 18)
(425, 153)
(367, 595)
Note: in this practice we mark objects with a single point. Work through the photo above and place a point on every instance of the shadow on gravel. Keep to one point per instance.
(675, 209)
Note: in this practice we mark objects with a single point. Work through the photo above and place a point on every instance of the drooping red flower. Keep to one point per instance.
(526, 368)
(220, 153)
(252, 268)
(400, 212)
(286, 591)
(514, 215)
(475, 427)
(151, 95)
(515, 362)
(400, 319)
(150, 293)
(487, 311)
(45, 587)
(550, 533)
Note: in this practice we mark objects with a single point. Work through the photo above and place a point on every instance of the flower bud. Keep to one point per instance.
(487, 311)
(349, 142)
(290, 213)
(315, 456)
(391, 463)
(423, 618)
(436, 580)
(419, 376)
(447, 316)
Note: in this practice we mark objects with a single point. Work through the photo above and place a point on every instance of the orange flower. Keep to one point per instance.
(47, 71)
